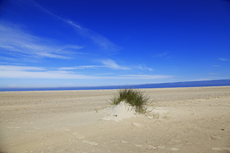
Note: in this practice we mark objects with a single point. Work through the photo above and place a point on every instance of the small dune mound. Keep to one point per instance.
(119, 112)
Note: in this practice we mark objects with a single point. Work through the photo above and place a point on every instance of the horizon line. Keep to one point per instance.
(173, 84)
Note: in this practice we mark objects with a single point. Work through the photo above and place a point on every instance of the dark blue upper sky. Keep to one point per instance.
(88, 42)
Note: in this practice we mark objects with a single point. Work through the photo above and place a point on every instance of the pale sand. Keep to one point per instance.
(195, 120)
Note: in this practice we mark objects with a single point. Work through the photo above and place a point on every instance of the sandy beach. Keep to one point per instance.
(182, 120)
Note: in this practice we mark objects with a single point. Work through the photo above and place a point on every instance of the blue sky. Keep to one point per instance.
(65, 43)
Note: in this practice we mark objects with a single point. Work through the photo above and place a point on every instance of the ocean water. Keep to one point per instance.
(158, 85)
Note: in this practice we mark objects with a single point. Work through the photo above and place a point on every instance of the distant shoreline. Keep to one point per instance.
(141, 86)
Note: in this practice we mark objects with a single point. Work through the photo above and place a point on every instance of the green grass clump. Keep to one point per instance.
(133, 97)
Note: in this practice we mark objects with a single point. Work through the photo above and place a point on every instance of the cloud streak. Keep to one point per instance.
(113, 65)
(144, 77)
(144, 68)
(108, 63)
(164, 54)
(9, 71)
(95, 37)
(19, 68)
(79, 67)
(17, 43)
(222, 59)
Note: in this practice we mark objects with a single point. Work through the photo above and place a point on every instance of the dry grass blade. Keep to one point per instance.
(135, 98)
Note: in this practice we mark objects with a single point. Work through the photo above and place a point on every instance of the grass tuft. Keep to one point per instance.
(133, 97)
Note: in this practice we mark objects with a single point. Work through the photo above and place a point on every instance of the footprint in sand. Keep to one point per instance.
(146, 146)
(137, 125)
(174, 149)
(157, 147)
(214, 137)
(124, 141)
(79, 136)
(90, 142)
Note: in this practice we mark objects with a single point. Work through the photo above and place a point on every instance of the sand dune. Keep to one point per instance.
(179, 120)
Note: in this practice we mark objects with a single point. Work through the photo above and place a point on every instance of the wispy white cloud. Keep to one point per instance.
(3, 58)
(144, 68)
(146, 77)
(107, 64)
(164, 54)
(19, 68)
(80, 67)
(222, 59)
(18, 43)
(10, 71)
(43, 75)
(95, 37)
(113, 65)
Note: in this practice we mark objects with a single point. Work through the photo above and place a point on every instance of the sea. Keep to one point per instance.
(206, 83)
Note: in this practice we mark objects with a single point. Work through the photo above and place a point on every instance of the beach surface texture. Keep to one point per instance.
(180, 120)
